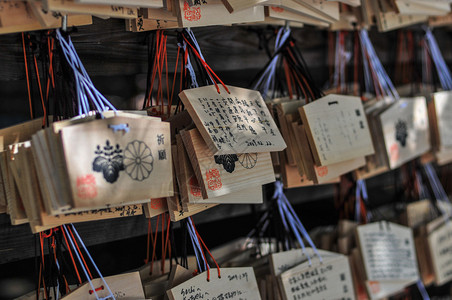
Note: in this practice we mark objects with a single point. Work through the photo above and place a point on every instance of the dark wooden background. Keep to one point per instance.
(117, 62)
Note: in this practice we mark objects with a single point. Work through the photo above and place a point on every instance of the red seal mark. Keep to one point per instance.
(322, 171)
(374, 287)
(195, 190)
(394, 154)
(213, 179)
(191, 13)
(157, 203)
(277, 9)
(86, 187)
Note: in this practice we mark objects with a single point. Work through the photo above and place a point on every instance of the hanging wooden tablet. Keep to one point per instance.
(219, 175)
(327, 9)
(237, 5)
(389, 257)
(156, 207)
(206, 13)
(157, 14)
(234, 123)
(126, 286)
(177, 209)
(440, 114)
(126, 158)
(235, 283)
(417, 213)
(392, 242)
(288, 15)
(337, 129)
(136, 3)
(190, 190)
(391, 20)
(296, 7)
(330, 279)
(405, 130)
(17, 16)
(424, 256)
(423, 8)
(285, 260)
(440, 245)
(70, 6)
(141, 24)
(283, 109)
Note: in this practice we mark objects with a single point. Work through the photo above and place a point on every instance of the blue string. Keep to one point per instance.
(196, 45)
(422, 290)
(267, 79)
(288, 212)
(197, 246)
(81, 262)
(438, 190)
(83, 83)
(383, 78)
(94, 265)
(440, 65)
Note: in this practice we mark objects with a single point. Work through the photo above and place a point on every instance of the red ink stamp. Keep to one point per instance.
(322, 171)
(277, 9)
(156, 203)
(374, 287)
(394, 154)
(191, 13)
(195, 190)
(213, 179)
(86, 187)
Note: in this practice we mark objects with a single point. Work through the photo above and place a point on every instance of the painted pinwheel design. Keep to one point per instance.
(248, 160)
(109, 161)
(227, 160)
(138, 160)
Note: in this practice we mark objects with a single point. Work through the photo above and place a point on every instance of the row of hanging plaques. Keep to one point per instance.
(19, 16)
(220, 153)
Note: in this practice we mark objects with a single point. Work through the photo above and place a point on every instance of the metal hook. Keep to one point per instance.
(64, 23)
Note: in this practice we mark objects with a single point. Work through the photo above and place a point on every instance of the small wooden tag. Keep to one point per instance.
(233, 123)
(235, 283)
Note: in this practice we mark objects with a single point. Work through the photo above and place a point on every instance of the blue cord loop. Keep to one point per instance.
(371, 61)
(438, 191)
(86, 92)
(267, 80)
(290, 219)
(110, 295)
(443, 71)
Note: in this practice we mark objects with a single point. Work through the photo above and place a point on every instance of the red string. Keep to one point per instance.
(79, 252)
(148, 242)
(72, 257)
(28, 77)
(154, 245)
(208, 69)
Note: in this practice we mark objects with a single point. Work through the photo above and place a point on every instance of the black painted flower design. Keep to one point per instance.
(227, 160)
(401, 132)
(138, 160)
(109, 161)
(248, 160)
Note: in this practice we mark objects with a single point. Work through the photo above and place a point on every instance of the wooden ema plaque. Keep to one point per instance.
(219, 175)
(127, 286)
(440, 112)
(124, 158)
(330, 279)
(440, 245)
(405, 130)
(235, 283)
(190, 190)
(389, 257)
(208, 12)
(233, 123)
(337, 129)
